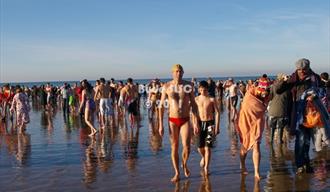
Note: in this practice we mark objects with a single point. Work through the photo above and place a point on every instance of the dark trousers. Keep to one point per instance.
(303, 138)
(277, 123)
(65, 105)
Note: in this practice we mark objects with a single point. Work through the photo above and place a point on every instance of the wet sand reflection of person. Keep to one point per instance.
(46, 121)
(233, 137)
(303, 183)
(18, 145)
(131, 151)
(104, 153)
(98, 154)
(23, 148)
(11, 143)
(90, 163)
(205, 185)
(155, 139)
(183, 188)
(256, 187)
(279, 176)
(4, 127)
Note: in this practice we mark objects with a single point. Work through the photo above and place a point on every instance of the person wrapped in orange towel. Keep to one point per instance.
(251, 123)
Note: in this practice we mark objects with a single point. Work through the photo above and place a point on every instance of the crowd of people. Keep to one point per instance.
(296, 104)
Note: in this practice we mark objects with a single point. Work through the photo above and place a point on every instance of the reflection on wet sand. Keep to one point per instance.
(47, 122)
(279, 175)
(90, 163)
(233, 137)
(23, 148)
(98, 156)
(320, 171)
(182, 186)
(205, 185)
(155, 139)
(104, 153)
(256, 187)
(17, 145)
(131, 148)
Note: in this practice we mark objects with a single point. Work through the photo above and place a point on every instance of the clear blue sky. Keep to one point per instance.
(44, 40)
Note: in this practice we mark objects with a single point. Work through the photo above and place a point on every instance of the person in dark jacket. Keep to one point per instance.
(301, 81)
(278, 109)
(212, 87)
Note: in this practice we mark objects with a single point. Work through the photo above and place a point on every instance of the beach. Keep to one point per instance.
(56, 154)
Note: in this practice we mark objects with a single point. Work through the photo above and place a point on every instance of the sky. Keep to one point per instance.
(51, 40)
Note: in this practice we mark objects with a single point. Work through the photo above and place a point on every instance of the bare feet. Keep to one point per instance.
(93, 132)
(176, 178)
(186, 171)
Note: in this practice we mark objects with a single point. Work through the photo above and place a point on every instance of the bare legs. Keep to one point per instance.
(185, 137)
(243, 153)
(256, 160)
(205, 161)
(89, 118)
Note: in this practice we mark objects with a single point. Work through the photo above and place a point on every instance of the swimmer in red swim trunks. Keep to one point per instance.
(181, 100)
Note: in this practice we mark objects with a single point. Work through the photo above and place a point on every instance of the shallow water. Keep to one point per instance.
(56, 154)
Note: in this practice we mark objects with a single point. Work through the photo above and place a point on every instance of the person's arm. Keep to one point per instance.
(225, 84)
(97, 91)
(194, 118)
(217, 116)
(194, 110)
(149, 94)
(110, 92)
(13, 105)
(82, 101)
(161, 110)
(272, 91)
(286, 84)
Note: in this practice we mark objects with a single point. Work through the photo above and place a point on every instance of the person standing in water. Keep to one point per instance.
(181, 100)
(21, 106)
(209, 121)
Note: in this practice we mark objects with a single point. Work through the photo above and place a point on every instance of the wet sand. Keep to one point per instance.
(56, 154)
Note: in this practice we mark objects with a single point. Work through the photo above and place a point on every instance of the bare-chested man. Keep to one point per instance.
(209, 119)
(103, 92)
(233, 98)
(129, 97)
(180, 100)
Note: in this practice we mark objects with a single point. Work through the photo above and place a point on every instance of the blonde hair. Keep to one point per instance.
(177, 66)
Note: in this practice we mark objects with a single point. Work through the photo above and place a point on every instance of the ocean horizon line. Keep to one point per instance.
(135, 79)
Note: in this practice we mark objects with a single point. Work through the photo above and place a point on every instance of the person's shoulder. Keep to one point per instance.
(167, 84)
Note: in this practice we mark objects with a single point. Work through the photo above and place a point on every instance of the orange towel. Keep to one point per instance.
(251, 120)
